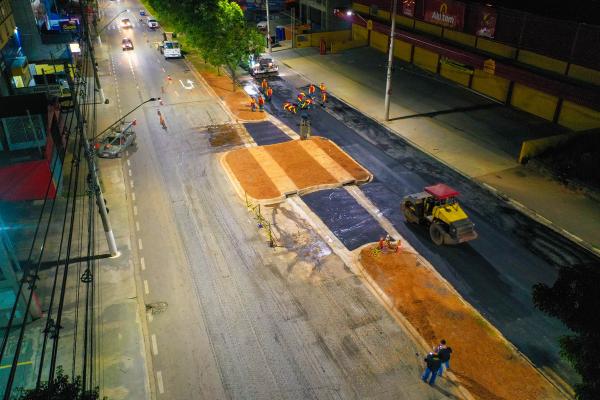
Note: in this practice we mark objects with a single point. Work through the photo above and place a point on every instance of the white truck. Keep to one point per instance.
(170, 48)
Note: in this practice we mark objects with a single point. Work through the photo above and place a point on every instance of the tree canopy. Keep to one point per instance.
(575, 299)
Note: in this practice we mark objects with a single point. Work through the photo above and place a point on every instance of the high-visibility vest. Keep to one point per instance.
(269, 92)
(264, 84)
(261, 101)
(322, 87)
(311, 89)
(301, 96)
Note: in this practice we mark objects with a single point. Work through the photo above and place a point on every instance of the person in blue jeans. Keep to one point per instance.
(433, 363)
(444, 351)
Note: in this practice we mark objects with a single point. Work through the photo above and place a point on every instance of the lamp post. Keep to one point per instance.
(268, 28)
(388, 83)
(121, 119)
(109, 22)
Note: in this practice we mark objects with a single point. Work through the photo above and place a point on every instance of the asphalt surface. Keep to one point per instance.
(265, 133)
(495, 273)
(229, 317)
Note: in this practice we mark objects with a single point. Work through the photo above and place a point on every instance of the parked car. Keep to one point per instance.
(125, 23)
(127, 44)
(116, 141)
(142, 12)
(152, 23)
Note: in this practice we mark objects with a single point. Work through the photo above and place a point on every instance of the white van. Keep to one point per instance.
(170, 48)
(152, 23)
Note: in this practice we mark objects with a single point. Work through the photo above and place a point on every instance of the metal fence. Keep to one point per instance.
(577, 43)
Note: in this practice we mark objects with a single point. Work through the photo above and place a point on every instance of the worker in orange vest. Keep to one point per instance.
(323, 97)
(322, 87)
(261, 103)
(269, 94)
(252, 104)
(287, 106)
(311, 90)
(301, 97)
(264, 85)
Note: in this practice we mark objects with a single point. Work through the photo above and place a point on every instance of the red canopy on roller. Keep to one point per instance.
(441, 191)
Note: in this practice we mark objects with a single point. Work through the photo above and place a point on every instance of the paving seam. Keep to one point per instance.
(350, 258)
(388, 226)
(490, 189)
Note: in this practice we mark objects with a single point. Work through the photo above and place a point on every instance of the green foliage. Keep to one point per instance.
(217, 28)
(62, 389)
(575, 299)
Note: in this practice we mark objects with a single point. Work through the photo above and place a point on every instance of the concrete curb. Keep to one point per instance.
(516, 205)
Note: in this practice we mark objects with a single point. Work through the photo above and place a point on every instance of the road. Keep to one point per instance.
(494, 273)
(235, 318)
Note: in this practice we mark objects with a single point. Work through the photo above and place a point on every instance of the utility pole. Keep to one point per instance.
(293, 27)
(268, 27)
(388, 83)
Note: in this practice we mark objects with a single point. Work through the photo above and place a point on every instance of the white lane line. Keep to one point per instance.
(150, 316)
(140, 246)
(131, 183)
(134, 210)
(133, 196)
(127, 154)
(143, 263)
(128, 163)
(146, 288)
(137, 226)
(159, 382)
(177, 94)
(154, 345)
(129, 172)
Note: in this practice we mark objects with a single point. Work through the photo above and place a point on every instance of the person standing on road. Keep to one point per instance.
(444, 353)
(261, 103)
(252, 104)
(322, 87)
(269, 94)
(311, 90)
(433, 365)
(264, 85)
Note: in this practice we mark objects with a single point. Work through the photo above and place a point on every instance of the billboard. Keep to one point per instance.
(448, 13)
(408, 8)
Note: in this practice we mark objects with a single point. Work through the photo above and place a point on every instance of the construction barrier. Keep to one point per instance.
(336, 47)
(584, 74)
(578, 118)
(542, 62)
(534, 147)
(534, 101)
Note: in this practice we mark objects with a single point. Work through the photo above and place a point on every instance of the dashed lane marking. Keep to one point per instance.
(131, 183)
(140, 246)
(137, 226)
(150, 316)
(134, 210)
(128, 163)
(154, 345)
(146, 288)
(133, 196)
(129, 172)
(143, 263)
(159, 382)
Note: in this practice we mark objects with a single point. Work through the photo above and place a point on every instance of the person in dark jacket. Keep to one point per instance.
(433, 365)
(444, 351)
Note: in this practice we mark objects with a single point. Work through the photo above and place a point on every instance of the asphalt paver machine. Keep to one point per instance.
(438, 209)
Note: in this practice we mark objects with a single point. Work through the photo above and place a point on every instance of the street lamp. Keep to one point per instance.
(121, 119)
(109, 22)
(268, 27)
(388, 83)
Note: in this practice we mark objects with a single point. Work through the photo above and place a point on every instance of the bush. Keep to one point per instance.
(62, 389)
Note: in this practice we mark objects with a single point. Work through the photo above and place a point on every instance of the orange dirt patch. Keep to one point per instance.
(268, 173)
(238, 102)
(250, 175)
(343, 159)
(299, 165)
(483, 361)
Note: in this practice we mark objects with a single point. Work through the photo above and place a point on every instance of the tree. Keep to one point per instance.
(62, 389)
(226, 40)
(575, 299)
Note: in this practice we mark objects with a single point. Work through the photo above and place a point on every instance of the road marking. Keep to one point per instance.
(189, 84)
(130, 172)
(127, 154)
(146, 288)
(154, 345)
(133, 196)
(128, 162)
(159, 382)
(143, 263)
(18, 364)
(134, 210)
(176, 94)
(137, 226)
(150, 316)
(140, 246)
(131, 183)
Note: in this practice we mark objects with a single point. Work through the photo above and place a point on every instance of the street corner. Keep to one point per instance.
(269, 173)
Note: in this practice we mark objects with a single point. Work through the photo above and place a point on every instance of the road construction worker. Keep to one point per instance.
(252, 104)
(323, 97)
(322, 87)
(264, 85)
(301, 97)
(287, 106)
(307, 103)
(261, 103)
(269, 93)
(311, 90)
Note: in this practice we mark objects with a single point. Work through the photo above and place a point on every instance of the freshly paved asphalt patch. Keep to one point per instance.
(266, 133)
(347, 219)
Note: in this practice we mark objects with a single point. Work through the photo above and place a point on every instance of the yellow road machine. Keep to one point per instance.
(437, 208)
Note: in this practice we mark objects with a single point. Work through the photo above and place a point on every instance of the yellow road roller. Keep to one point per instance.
(437, 208)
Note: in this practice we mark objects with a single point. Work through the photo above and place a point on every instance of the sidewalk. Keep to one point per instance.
(473, 135)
